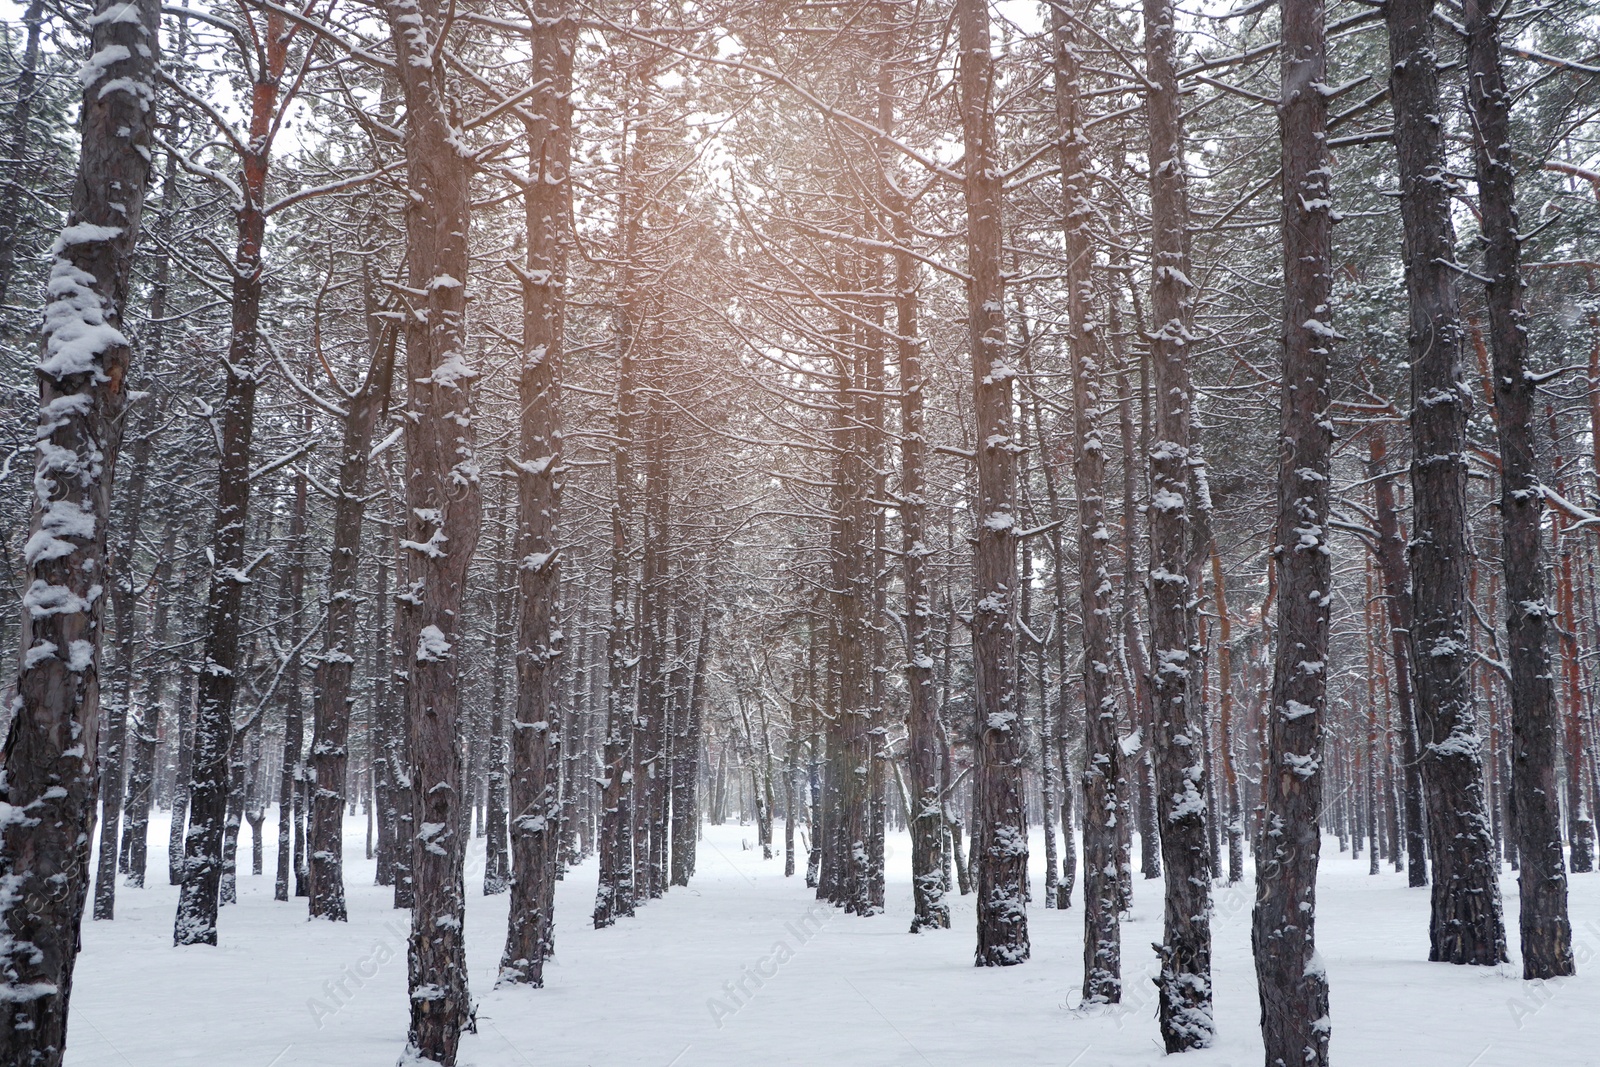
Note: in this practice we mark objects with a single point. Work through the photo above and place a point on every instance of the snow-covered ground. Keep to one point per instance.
(834, 991)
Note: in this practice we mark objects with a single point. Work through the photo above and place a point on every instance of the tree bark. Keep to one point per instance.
(1465, 924)
(1000, 825)
(1102, 934)
(535, 803)
(1230, 774)
(233, 816)
(383, 727)
(49, 756)
(123, 571)
(196, 920)
(1293, 985)
(686, 775)
(650, 727)
(292, 768)
(1579, 823)
(147, 729)
(141, 778)
(332, 698)
(846, 879)
(1185, 979)
(496, 846)
(443, 509)
(1546, 930)
(1136, 668)
(1395, 573)
(17, 137)
(682, 744)
(929, 888)
(183, 737)
(615, 893)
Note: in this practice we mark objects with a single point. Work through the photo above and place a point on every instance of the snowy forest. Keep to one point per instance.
(669, 531)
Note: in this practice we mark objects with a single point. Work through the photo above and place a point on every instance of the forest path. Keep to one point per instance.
(836, 991)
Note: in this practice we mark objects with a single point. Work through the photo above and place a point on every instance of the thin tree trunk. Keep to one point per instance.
(846, 864)
(929, 889)
(1376, 749)
(19, 168)
(293, 742)
(332, 698)
(292, 772)
(614, 895)
(147, 728)
(686, 738)
(293, 708)
(650, 728)
(496, 847)
(1395, 572)
(142, 774)
(141, 777)
(196, 920)
(254, 812)
(790, 798)
(228, 885)
(183, 731)
(1136, 669)
(123, 571)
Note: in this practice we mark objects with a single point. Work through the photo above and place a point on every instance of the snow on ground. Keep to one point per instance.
(834, 990)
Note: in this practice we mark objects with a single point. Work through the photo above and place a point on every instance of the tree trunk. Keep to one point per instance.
(123, 569)
(615, 894)
(1395, 572)
(49, 756)
(147, 728)
(846, 860)
(1546, 930)
(196, 920)
(183, 737)
(1293, 986)
(332, 698)
(790, 800)
(1580, 826)
(686, 777)
(141, 777)
(233, 815)
(256, 818)
(1136, 668)
(535, 802)
(1000, 825)
(1102, 934)
(1465, 925)
(1235, 825)
(17, 136)
(496, 846)
(1185, 951)
(650, 728)
(443, 510)
(291, 592)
